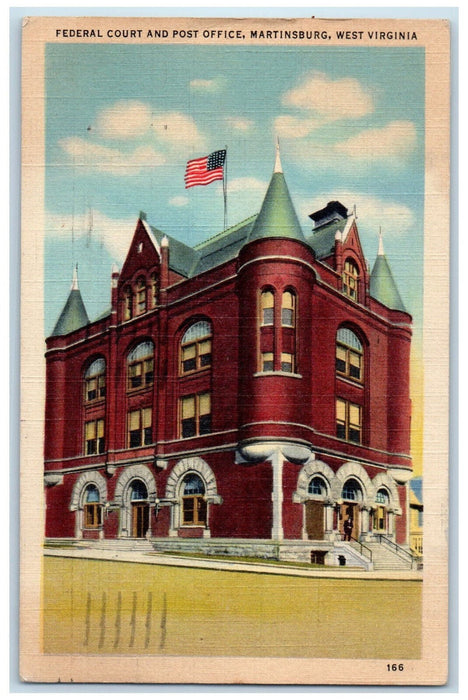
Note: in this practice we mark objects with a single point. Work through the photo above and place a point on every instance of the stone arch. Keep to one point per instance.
(137, 471)
(191, 464)
(316, 468)
(355, 470)
(383, 480)
(82, 482)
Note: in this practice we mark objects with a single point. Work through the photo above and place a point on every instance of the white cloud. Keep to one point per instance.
(239, 123)
(179, 201)
(395, 218)
(246, 184)
(204, 85)
(114, 234)
(330, 99)
(124, 120)
(95, 157)
(177, 131)
(287, 126)
(395, 140)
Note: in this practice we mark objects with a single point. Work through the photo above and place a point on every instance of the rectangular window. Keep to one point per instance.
(196, 356)
(287, 362)
(140, 430)
(267, 362)
(195, 415)
(94, 437)
(141, 374)
(348, 421)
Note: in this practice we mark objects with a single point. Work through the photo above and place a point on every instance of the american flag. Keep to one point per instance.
(202, 171)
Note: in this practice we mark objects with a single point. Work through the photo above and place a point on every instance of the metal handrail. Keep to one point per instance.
(361, 546)
(398, 549)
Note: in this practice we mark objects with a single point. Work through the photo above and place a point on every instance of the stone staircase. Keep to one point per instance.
(386, 558)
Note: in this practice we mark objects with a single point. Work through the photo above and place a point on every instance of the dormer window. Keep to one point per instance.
(350, 278)
(128, 304)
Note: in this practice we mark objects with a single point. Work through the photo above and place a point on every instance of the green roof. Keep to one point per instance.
(383, 286)
(182, 258)
(73, 315)
(277, 217)
(225, 246)
(322, 240)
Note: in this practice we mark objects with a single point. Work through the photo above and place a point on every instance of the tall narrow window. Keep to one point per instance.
(288, 309)
(348, 421)
(95, 381)
(141, 295)
(193, 501)
(140, 366)
(287, 362)
(349, 355)
(94, 437)
(128, 304)
(195, 348)
(267, 308)
(350, 279)
(92, 509)
(140, 427)
(154, 289)
(195, 415)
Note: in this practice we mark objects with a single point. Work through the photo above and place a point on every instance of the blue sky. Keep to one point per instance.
(122, 121)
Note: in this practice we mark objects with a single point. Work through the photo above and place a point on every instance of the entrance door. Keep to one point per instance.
(350, 510)
(140, 519)
(314, 520)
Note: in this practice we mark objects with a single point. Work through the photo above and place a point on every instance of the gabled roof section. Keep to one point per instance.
(73, 314)
(223, 247)
(182, 258)
(277, 217)
(382, 285)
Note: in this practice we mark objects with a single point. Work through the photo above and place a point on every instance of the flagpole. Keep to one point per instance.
(225, 189)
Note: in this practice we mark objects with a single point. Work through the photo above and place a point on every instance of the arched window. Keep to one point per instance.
(95, 381)
(193, 501)
(195, 348)
(267, 308)
(349, 355)
(288, 309)
(317, 487)
(350, 278)
(92, 509)
(128, 304)
(139, 492)
(140, 295)
(140, 366)
(352, 491)
(380, 518)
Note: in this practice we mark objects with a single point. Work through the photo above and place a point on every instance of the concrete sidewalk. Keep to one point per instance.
(154, 558)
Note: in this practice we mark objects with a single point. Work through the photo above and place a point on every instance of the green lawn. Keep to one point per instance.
(106, 607)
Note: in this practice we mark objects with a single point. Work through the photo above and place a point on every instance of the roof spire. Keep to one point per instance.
(75, 278)
(278, 167)
(381, 248)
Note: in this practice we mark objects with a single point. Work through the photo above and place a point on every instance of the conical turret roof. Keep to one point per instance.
(73, 314)
(277, 217)
(382, 285)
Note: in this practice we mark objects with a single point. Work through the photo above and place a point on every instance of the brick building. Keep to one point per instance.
(250, 394)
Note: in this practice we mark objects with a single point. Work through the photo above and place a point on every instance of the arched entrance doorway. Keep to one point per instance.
(349, 525)
(140, 509)
(314, 509)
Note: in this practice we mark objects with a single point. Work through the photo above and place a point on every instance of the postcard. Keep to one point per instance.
(234, 354)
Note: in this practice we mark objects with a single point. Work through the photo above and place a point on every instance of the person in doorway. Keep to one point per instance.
(348, 528)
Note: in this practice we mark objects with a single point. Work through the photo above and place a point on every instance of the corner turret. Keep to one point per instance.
(382, 285)
(74, 314)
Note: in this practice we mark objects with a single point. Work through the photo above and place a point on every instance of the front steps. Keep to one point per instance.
(337, 554)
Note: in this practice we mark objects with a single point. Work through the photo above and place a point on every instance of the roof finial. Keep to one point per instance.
(278, 168)
(75, 278)
(381, 248)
